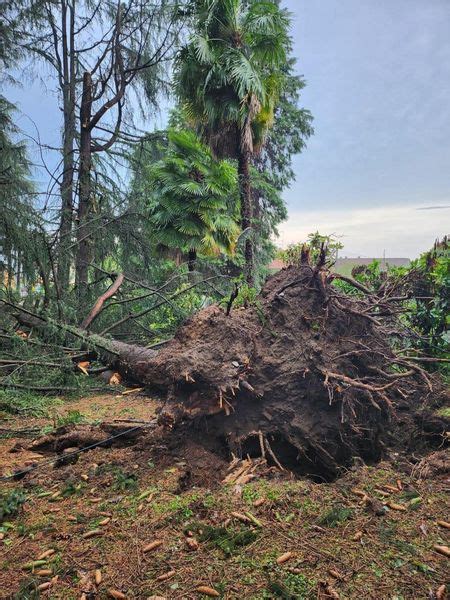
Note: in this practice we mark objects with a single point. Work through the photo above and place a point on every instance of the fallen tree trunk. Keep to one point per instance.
(304, 377)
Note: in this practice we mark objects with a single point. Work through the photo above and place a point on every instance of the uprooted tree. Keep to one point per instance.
(305, 377)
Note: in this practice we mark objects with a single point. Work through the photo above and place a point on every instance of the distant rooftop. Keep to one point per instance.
(345, 265)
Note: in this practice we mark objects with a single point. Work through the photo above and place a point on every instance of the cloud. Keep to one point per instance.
(433, 207)
(399, 231)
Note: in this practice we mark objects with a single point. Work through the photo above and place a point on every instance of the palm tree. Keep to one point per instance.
(228, 78)
(193, 199)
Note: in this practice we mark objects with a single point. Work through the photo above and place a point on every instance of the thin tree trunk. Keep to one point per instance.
(246, 211)
(69, 119)
(84, 202)
(192, 258)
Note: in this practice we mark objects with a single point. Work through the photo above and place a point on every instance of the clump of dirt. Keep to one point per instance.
(305, 377)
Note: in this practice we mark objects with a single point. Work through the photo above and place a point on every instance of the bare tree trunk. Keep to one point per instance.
(68, 91)
(84, 202)
(192, 257)
(246, 211)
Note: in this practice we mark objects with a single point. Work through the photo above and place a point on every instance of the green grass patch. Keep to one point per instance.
(26, 403)
(291, 585)
(228, 540)
(337, 515)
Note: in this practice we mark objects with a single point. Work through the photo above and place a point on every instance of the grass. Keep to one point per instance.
(26, 403)
(335, 516)
(138, 489)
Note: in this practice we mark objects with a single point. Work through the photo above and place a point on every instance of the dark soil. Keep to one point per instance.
(302, 376)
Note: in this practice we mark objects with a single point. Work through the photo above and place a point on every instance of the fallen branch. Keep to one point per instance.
(98, 306)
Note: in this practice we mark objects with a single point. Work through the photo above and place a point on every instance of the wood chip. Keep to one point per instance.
(284, 557)
(105, 521)
(44, 586)
(443, 524)
(43, 572)
(46, 554)
(399, 485)
(192, 543)
(117, 594)
(259, 502)
(335, 574)
(441, 592)
(98, 577)
(394, 506)
(382, 493)
(444, 550)
(208, 591)
(358, 535)
(165, 576)
(358, 492)
(391, 488)
(241, 517)
(92, 533)
(152, 546)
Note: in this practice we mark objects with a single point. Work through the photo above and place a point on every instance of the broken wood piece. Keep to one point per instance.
(192, 543)
(116, 594)
(284, 557)
(241, 517)
(444, 550)
(46, 554)
(92, 533)
(166, 576)
(395, 506)
(208, 591)
(133, 391)
(443, 524)
(152, 546)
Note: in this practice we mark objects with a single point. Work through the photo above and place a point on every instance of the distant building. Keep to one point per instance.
(345, 265)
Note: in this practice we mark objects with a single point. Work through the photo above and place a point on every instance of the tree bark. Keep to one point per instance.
(67, 84)
(246, 211)
(192, 258)
(84, 193)
(97, 308)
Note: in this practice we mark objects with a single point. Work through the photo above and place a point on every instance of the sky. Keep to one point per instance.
(377, 171)
(378, 86)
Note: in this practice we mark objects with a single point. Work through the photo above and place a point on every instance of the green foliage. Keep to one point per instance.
(226, 539)
(430, 307)
(291, 585)
(10, 503)
(228, 75)
(72, 417)
(28, 403)
(314, 243)
(192, 198)
(125, 481)
(337, 515)
(21, 236)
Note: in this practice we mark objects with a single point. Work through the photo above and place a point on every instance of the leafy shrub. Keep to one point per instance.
(11, 503)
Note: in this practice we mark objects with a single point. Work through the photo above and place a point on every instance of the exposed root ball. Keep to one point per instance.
(305, 377)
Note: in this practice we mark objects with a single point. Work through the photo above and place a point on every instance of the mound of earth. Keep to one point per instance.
(305, 377)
